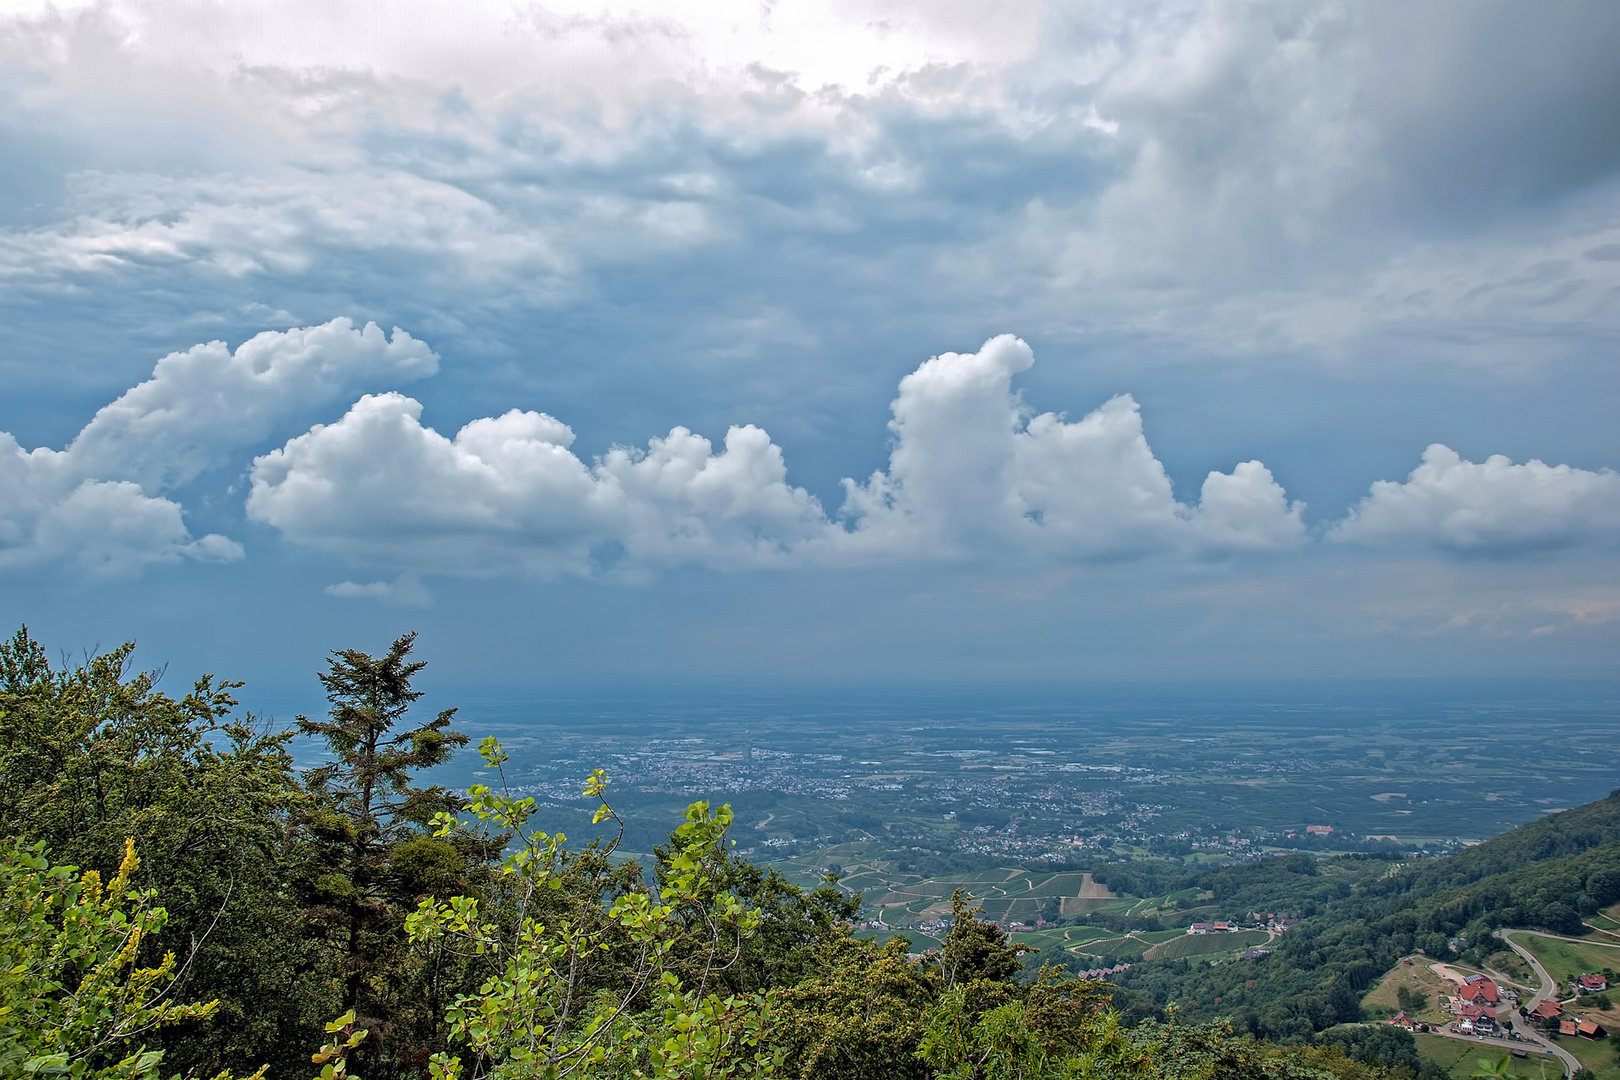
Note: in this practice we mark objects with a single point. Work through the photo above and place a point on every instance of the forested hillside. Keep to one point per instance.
(176, 899)
(1548, 874)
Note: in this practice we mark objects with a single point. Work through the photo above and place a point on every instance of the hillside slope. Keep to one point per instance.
(1548, 873)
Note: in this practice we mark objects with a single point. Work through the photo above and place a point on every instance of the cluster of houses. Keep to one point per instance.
(1477, 999)
(1475, 1005)
(1213, 928)
(1273, 921)
(1584, 1026)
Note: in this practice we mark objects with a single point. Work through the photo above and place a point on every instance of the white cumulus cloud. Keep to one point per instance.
(970, 463)
(1489, 508)
(99, 502)
(507, 495)
(970, 470)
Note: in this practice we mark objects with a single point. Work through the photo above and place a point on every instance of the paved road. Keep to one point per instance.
(1549, 985)
(1495, 1048)
(1576, 940)
(1548, 989)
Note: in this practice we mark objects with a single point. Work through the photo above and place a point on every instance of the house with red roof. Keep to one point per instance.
(1566, 1026)
(1591, 984)
(1547, 1010)
(1590, 1028)
(1479, 988)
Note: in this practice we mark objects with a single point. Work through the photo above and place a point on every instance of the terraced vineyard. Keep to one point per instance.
(1020, 900)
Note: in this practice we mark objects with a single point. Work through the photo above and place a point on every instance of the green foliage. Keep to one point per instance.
(549, 1010)
(366, 787)
(93, 754)
(333, 1058)
(1412, 1000)
(368, 855)
(973, 948)
(74, 1001)
(1056, 1028)
(1379, 1044)
(861, 1013)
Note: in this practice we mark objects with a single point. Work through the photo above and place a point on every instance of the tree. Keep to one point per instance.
(372, 852)
(1058, 1027)
(862, 1012)
(546, 1011)
(1412, 999)
(74, 1000)
(973, 948)
(792, 922)
(93, 755)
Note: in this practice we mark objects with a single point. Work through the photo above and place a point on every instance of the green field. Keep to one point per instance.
(1566, 959)
(1607, 921)
(1597, 1056)
(1385, 994)
(1006, 895)
(1208, 944)
(1461, 1059)
(1073, 938)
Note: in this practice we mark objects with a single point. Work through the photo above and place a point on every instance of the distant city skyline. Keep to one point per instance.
(853, 342)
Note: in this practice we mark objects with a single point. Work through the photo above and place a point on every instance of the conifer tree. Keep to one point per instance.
(374, 855)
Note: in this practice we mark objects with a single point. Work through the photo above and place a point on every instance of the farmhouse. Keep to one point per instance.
(1566, 1026)
(1223, 928)
(1547, 1010)
(1591, 984)
(1590, 1028)
(1198, 928)
(1318, 830)
(1479, 988)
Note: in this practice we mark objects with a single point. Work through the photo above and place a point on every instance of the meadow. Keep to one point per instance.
(1565, 959)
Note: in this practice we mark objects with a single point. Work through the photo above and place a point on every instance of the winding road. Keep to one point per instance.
(1547, 990)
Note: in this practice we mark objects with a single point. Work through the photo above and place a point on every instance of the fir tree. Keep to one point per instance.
(374, 855)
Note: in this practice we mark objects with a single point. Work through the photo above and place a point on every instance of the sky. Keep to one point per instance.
(833, 341)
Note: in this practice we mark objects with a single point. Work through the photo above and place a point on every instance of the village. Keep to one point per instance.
(1481, 1006)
